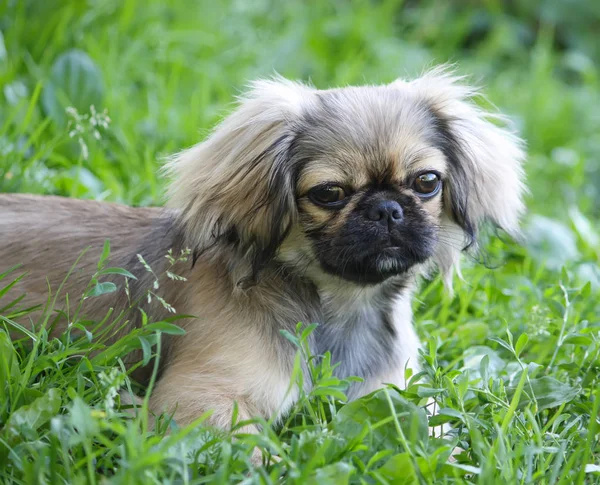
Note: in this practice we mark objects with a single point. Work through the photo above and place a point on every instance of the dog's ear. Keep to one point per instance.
(485, 174)
(238, 185)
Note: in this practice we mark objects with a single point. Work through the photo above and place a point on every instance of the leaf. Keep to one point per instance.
(320, 447)
(291, 337)
(105, 254)
(329, 391)
(445, 415)
(9, 368)
(82, 419)
(5, 289)
(17, 326)
(439, 419)
(119, 271)
(144, 318)
(165, 327)
(75, 80)
(370, 419)
(11, 304)
(502, 343)
(307, 331)
(88, 334)
(380, 455)
(514, 370)
(399, 470)
(474, 356)
(9, 270)
(102, 289)
(451, 412)
(578, 340)
(146, 350)
(30, 395)
(521, 343)
(423, 391)
(484, 366)
(548, 392)
(585, 291)
(335, 474)
(26, 420)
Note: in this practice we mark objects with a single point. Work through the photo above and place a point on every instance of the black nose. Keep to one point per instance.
(385, 211)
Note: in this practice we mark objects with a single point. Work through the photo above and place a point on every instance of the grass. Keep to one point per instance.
(512, 360)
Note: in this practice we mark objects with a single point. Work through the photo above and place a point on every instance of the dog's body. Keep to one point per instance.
(314, 206)
(246, 358)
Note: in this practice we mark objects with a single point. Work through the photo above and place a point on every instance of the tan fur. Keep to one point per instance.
(47, 234)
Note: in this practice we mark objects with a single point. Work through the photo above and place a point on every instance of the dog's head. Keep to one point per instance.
(362, 183)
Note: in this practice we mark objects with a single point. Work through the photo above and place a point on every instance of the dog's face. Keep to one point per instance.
(361, 183)
(369, 191)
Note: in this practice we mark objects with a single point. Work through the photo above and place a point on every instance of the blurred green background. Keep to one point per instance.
(167, 71)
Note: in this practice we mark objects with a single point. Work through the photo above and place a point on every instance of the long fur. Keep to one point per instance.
(239, 201)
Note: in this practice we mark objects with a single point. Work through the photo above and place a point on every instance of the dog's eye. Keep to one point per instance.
(330, 195)
(427, 184)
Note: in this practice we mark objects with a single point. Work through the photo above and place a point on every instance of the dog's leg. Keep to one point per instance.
(188, 396)
(188, 392)
(223, 418)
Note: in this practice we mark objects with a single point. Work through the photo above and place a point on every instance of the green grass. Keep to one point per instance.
(512, 360)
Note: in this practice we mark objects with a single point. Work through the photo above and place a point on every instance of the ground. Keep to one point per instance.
(512, 359)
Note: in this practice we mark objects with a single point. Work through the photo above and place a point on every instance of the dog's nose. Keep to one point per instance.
(386, 212)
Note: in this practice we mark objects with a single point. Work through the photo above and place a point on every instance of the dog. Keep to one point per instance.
(303, 205)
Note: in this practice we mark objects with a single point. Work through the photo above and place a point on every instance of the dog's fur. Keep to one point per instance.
(266, 256)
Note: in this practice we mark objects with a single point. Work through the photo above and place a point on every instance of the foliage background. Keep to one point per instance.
(167, 71)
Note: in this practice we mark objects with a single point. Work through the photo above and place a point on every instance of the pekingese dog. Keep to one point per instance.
(303, 205)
